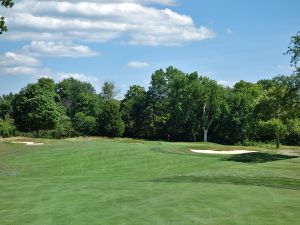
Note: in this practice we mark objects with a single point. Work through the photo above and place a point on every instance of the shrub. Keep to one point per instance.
(7, 127)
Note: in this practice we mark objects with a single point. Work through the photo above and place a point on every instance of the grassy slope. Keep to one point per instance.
(123, 181)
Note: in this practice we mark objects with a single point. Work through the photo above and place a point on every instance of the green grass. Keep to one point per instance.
(125, 181)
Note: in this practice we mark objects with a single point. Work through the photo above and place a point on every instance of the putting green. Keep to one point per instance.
(126, 181)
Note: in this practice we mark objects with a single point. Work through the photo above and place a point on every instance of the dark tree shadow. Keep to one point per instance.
(273, 182)
(258, 157)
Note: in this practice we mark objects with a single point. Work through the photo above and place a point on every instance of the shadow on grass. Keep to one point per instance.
(257, 157)
(253, 157)
(273, 182)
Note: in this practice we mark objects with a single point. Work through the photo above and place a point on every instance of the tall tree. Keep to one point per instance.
(244, 99)
(294, 49)
(35, 108)
(5, 105)
(212, 104)
(156, 109)
(132, 108)
(110, 121)
(275, 128)
(109, 91)
(77, 96)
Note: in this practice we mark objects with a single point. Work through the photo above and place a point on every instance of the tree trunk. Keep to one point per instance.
(277, 142)
(205, 135)
(194, 137)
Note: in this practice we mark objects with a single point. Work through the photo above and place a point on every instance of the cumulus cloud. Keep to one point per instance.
(25, 70)
(58, 49)
(137, 64)
(100, 21)
(78, 76)
(12, 63)
(16, 64)
(15, 59)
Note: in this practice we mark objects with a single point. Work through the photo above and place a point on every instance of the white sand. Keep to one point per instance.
(27, 143)
(229, 152)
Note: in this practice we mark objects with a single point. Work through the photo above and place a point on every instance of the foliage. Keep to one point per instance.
(7, 4)
(85, 125)
(7, 127)
(76, 96)
(132, 108)
(110, 121)
(293, 137)
(108, 91)
(273, 128)
(177, 106)
(294, 49)
(34, 108)
(5, 105)
(63, 128)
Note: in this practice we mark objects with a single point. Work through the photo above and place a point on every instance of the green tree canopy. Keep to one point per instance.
(35, 107)
(274, 128)
(132, 108)
(110, 121)
(77, 96)
(85, 125)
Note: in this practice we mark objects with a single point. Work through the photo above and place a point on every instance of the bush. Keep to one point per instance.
(63, 129)
(7, 127)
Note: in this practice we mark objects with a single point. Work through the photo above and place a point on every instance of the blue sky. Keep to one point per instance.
(125, 41)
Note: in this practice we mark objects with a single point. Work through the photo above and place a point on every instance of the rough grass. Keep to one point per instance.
(127, 181)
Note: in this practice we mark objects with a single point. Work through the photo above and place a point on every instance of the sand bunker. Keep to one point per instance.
(229, 152)
(27, 143)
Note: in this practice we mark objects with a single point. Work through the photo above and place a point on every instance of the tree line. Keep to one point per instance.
(177, 106)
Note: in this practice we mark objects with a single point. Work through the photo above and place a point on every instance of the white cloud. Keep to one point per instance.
(25, 70)
(138, 64)
(143, 2)
(12, 63)
(15, 59)
(15, 64)
(58, 49)
(78, 76)
(227, 83)
(101, 21)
